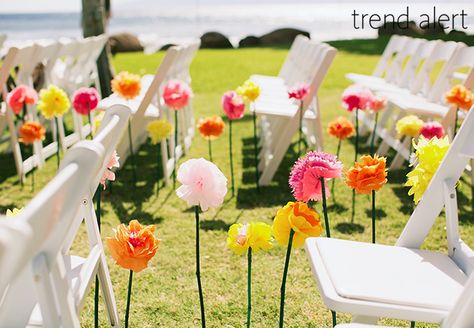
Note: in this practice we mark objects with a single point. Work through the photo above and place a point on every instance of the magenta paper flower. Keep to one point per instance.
(176, 94)
(378, 103)
(233, 105)
(85, 100)
(109, 175)
(20, 96)
(203, 184)
(298, 92)
(306, 174)
(357, 96)
(432, 129)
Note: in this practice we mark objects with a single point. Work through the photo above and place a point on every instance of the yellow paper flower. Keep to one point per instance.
(53, 102)
(158, 130)
(299, 217)
(257, 235)
(409, 126)
(14, 212)
(96, 122)
(249, 90)
(429, 153)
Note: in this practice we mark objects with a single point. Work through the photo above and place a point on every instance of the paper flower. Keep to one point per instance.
(432, 129)
(159, 130)
(20, 96)
(249, 90)
(96, 122)
(53, 102)
(109, 175)
(126, 85)
(357, 96)
(134, 246)
(378, 103)
(203, 184)
(233, 105)
(341, 128)
(306, 174)
(30, 132)
(13, 212)
(460, 96)
(257, 235)
(176, 94)
(368, 174)
(298, 92)
(299, 217)
(85, 100)
(211, 128)
(409, 125)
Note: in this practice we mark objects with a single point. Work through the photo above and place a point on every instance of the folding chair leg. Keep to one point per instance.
(399, 159)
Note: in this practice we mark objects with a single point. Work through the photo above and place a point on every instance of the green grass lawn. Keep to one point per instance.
(165, 295)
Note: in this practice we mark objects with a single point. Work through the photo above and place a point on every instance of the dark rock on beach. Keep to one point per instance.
(249, 41)
(124, 42)
(215, 40)
(403, 28)
(281, 37)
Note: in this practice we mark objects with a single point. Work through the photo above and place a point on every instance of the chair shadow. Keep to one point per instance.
(349, 228)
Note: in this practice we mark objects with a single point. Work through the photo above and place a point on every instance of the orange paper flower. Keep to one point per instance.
(368, 174)
(211, 128)
(341, 128)
(134, 246)
(31, 132)
(126, 85)
(459, 96)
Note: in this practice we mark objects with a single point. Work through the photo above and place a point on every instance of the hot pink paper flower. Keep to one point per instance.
(378, 103)
(20, 96)
(298, 91)
(109, 175)
(357, 96)
(233, 105)
(85, 100)
(203, 184)
(176, 94)
(432, 129)
(306, 174)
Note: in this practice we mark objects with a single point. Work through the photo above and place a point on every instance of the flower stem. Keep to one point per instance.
(249, 286)
(90, 123)
(333, 180)
(334, 318)
(175, 145)
(231, 159)
(456, 122)
(129, 295)
(32, 171)
(96, 291)
(198, 269)
(325, 210)
(353, 205)
(57, 140)
(255, 145)
(132, 154)
(357, 135)
(373, 216)
(285, 273)
(372, 139)
(210, 148)
(300, 129)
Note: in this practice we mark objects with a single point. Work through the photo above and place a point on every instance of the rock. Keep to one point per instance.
(283, 36)
(457, 33)
(167, 46)
(124, 42)
(402, 28)
(215, 40)
(249, 41)
(433, 29)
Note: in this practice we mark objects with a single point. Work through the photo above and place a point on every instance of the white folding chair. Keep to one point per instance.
(47, 287)
(403, 281)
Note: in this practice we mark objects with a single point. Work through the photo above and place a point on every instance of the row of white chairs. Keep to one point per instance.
(307, 63)
(42, 283)
(403, 281)
(414, 75)
(69, 64)
(149, 106)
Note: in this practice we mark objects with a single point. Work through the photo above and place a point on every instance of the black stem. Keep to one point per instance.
(373, 216)
(372, 139)
(132, 154)
(334, 180)
(175, 145)
(231, 159)
(32, 172)
(300, 129)
(456, 122)
(249, 286)
(334, 318)
(325, 210)
(129, 296)
(285, 273)
(412, 324)
(90, 123)
(255, 145)
(96, 291)
(357, 135)
(353, 205)
(209, 142)
(198, 269)
(57, 140)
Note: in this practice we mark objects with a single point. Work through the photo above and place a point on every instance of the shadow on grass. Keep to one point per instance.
(379, 213)
(337, 208)
(214, 225)
(349, 228)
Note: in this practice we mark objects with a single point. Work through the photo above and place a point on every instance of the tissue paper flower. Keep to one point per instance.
(249, 90)
(53, 102)
(176, 94)
(460, 96)
(30, 132)
(341, 128)
(378, 103)
(255, 235)
(159, 130)
(409, 125)
(85, 100)
(20, 96)
(109, 175)
(368, 174)
(233, 105)
(298, 92)
(432, 129)
(357, 96)
(126, 85)
(211, 128)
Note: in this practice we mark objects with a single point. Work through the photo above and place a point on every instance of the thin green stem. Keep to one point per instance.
(357, 135)
(90, 123)
(175, 145)
(209, 142)
(373, 216)
(412, 324)
(231, 159)
(198, 269)
(283, 282)
(325, 210)
(32, 172)
(353, 205)
(372, 139)
(334, 318)
(96, 291)
(129, 296)
(334, 180)
(456, 122)
(249, 286)
(300, 137)
(57, 141)
(132, 154)
(255, 145)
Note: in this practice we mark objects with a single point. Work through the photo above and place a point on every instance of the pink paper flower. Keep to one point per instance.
(85, 100)
(298, 92)
(233, 105)
(176, 94)
(432, 129)
(306, 174)
(20, 96)
(357, 96)
(378, 103)
(203, 184)
(109, 175)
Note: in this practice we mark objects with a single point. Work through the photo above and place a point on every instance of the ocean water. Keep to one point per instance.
(158, 23)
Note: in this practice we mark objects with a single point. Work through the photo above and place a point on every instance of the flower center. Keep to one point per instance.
(242, 235)
(135, 240)
(200, 183)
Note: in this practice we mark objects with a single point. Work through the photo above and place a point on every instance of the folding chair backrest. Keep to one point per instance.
(409, 50)
(293, 53)
(394, 45)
